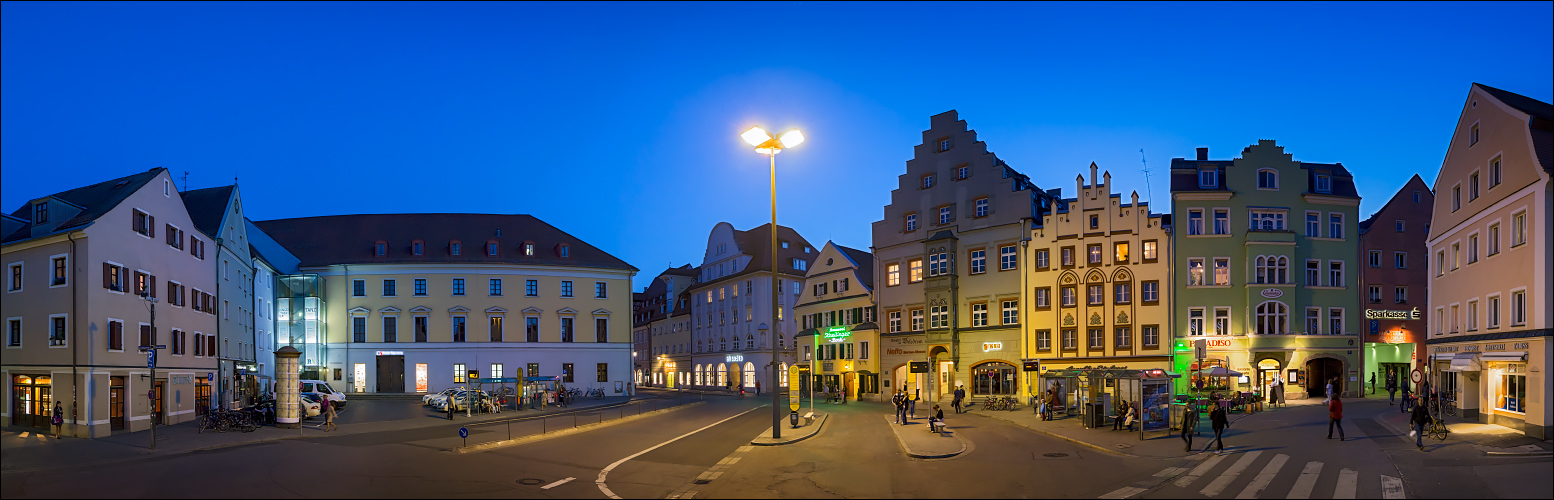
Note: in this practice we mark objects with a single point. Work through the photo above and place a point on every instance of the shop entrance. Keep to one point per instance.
(1267, 371)
(1396, 372)
(391, 374)
(115, 403)
(31, 400)
(1319, 371)
(158, 408)
(201, 395)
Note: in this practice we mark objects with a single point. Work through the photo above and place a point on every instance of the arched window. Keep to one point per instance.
(1272, 318)
(783, 376)
(1273, 269)
(722, 375)
(1267, 179)
(749, 374)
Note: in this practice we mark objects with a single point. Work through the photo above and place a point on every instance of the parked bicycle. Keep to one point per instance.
(596, 393)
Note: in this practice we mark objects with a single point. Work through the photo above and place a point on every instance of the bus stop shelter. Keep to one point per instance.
(1083, 391)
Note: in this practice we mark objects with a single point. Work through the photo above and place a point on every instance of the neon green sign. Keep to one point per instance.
(837, 334)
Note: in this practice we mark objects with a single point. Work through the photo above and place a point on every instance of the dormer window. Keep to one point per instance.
(417, 247)
(528, 249)
(564, 250)
(1324, 183)
(1267, 179)
(40, 213)
(1208, 178)
(455, 247)
(380, 248)
(491, 248)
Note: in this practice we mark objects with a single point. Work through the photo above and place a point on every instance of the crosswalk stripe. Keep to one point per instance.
(1391, 487)
(1169, 471)
(1123, 492)
(1348, 480)
(1307, 481)
(1264, 477)
(1199, 471)
(1230, 474)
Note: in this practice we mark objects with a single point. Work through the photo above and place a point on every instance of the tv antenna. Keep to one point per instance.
(1149, 191)
(186, 180)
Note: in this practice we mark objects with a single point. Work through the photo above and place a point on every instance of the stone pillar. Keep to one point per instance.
(287, 386)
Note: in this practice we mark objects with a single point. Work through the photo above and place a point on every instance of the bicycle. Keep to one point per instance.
(1437, 429)
(1451, 407)
(990, 404)
(596, 393)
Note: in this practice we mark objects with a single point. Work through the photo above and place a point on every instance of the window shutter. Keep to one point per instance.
(107, 275)
(151, 286)
(151, 226)
(210, 345)
(145, 334)
(153, 336)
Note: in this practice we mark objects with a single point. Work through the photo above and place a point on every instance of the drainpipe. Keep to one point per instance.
(221, 371)
(323, 372)
(75, 382)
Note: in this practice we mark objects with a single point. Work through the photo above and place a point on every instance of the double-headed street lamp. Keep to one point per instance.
(769, 145)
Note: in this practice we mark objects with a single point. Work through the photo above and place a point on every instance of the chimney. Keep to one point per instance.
(1203, 154)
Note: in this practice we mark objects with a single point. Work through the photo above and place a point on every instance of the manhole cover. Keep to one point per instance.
(1054, 455)
(530, 482)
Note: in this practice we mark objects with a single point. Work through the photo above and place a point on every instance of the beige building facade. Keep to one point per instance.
(839, 340)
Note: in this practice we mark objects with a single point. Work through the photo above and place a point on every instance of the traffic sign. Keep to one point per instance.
(1200, 348)
(150, 359)
(463, 432)
(1375, 326)
(793, 390)
(210, 375)
(151, 394)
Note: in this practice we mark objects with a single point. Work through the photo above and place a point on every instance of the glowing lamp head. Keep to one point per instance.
(792, 138)
(755, 136)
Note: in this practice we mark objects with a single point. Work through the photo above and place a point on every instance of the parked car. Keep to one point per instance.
(480, 399)
(312, 404)
(440, 402)
(427, 399)
(324, 391)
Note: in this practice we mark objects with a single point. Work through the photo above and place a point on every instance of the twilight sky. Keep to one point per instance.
(619, 122)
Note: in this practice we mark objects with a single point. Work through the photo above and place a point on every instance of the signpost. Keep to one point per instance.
(464, 434)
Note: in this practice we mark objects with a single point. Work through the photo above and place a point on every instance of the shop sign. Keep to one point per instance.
(1217, 342)
(1272, 293)
(897, 351)
(1392, 314)
(1520, 345)
(837, 334)
(734, 358)
(1470, 348)
(391, 353)
(1446, 349)
(992, 346)
(181, 379)
(1494, 347)
(1395, 337)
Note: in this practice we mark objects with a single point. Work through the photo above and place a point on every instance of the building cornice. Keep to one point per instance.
(1323, 199)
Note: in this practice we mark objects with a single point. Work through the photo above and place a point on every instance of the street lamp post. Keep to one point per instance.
(769, 145)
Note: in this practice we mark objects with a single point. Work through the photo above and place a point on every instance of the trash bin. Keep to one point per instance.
(1095, 418)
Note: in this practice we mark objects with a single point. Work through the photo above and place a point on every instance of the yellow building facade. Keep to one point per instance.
(839, 340)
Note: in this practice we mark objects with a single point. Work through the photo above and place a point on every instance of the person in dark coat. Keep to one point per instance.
(1335, 417)
(900, 401)
(1122, 413)
(1190, 425)
(1419, 419)
(1219, 419)
(58, 419)
(1392, 387)
(960, 395)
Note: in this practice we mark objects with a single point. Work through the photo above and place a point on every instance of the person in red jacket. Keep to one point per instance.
(1335, 418)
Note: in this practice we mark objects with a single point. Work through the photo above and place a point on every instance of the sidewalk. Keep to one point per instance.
(918, 442)
(1121, 443)
(1486, 439)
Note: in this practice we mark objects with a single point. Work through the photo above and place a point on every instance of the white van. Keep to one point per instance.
(322, 389)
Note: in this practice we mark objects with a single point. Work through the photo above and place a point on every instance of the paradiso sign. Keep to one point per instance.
(837, 334)
(1392, 314)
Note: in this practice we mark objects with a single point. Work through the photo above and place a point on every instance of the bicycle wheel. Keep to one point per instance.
(201, 423)
(1451, 408)
(223, 424)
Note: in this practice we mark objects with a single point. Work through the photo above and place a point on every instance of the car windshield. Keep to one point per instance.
(324, 388)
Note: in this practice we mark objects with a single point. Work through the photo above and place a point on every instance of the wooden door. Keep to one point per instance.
(116, 403)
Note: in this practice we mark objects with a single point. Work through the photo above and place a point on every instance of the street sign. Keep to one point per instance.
(210, 375)
(793, 390)
(919, 367)
(1375, 326)
(1200, 348)
(151, 394)
(463, 432)
(150, 359)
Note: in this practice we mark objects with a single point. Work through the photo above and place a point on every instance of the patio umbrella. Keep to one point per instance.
(1220, 371)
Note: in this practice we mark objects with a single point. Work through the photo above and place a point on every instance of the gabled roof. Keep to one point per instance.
(95, 200)
(1541, 126)
(685, 270)
(1534, 107)
(756, 243)
(865, 262)
(1415, 181)
(350, 239)
(207, 207)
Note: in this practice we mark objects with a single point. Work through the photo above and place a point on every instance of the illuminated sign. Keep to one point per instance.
(1217, 343)
(734, 358)
(1273, 293)
(1392, 314)
(837, 334)
(391, 353)
(992, 346)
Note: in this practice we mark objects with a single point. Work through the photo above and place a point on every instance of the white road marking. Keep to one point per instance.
(1230, 474)
(1169, 471)
(606, 471)
(557, 483)
(1307, 481)
(1199, 471)
(1123, 492)
(1348, 480)
(1264, 477)
(1391, 487)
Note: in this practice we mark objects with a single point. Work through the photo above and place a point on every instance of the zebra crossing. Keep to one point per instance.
(1223, 472)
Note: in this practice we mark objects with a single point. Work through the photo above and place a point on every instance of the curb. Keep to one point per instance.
(566, 432)
(818, 424)
(1519, 453)
(1078, 442)
(910, 453)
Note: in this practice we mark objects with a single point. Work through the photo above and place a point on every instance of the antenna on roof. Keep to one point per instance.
(185, 180)
(1149, 192)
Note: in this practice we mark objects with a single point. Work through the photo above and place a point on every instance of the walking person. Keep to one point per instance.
(58, 419)
(1335, 418)
(1407, 400)
(1373, 382)
(960, 395)
(1392, 387)
(758, 388)
(899, 400)
(1273, 391)
(329, 417)
(1190, 426)
(1219, 419)
(1419, 419)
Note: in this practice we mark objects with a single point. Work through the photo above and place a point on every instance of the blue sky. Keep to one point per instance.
(619, 122)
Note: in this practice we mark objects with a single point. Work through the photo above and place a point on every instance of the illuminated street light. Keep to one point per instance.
(768, 145)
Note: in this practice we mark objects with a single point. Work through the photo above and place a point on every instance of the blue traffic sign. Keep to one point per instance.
(463, 432)
(1375, 327)
(151, 359)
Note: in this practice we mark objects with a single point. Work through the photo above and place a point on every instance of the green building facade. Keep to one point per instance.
(1266, 256)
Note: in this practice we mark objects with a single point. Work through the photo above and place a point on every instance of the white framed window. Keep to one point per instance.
(1494, 172)
(1272, 318)
(59, 331)
(13, 332)
(1267, 220)
(1151, 250)
(1043, 297)
(60, 270)
(1335, 321)
(1313, 224)
(1267, 179)
(1122, 293)
(1195, 222)
(892, 274)
(1011, 310)
(1069, 296)
(1492, 311)
(1472, 248)
(1335, 225)
(1272, 269)
(1335, 273)
(911, 222)
(978, 314)
(1044, 340)
(917, 320)
(1195, 272)
(1518, 228)
(978, 261)
(1208, 178)
(1006, 258)
(1518, 307)
(1150, 291)
(1313, 321)
(1097, 338)
(1494, 239)
(1070, 339)
(944, 215)
(1374, 292)
(1400, 260)
(1222, 321)
(1221, 271)
(1150, 335)
(1221, 221)
(895, 321)
(13, 277)
(1375, 258)
(1195, 321)
(1043, 260)
(1123, 338)
(1456, 197)
(1472, 316)
(1324, 183)
(1400, 294)
(981, 206)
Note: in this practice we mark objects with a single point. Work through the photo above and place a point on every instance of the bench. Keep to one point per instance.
(809, 418)
(935, 426)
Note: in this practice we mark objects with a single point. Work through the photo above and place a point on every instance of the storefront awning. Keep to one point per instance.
(1513, 356)
(1465, 362)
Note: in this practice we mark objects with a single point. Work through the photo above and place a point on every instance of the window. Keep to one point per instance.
(1120, 252)
(566, 330)
(962, 172)
(1150, 335)
(459, 372)
(1043, 297)
(1267, 179)
(1473, 186)
(1313, 320)
(566, 372)
(914, 270)
(416, 248)
(1221, 271)
(60, 269)
(978, 261)
(1042, 260)
(1519, 229)
(1097, 338)
(1124, 338)
(1267, 220)
(1335, 321)
(944, 144)
(1472, 135)
(455, 248)
(1151, 250)
(1095, 295)
(1194, 222)
(1272, 269)
(143, 223)
(1324, 183)
(911, 222)
(895, 321)
(1518, 307)
(1400, 260)
(603, 372)
(978, 315)
(1313, 271)
(601, 330)
(459, 323)
(1221, 221)
(418, 323)
(1456, 255)
(1208, 178)
(496, 328)
(1375, 294)
(800, 265)
(1067, 254)
(1335, 226)
(458, 286)
(1375, 258)
(531, 329)
(566, 288)
(1222, 321)
(1070, 340)
(491, 248)
(358, 329)
(1511, 388)
(917, 320)
(1335, 273)
(13, 329)
(599, 290)
(939, 316)
(40, 213)
(1123, 293)
(1440, 263)
(380, 249)
(927, 181)
(388, 288)
(944, 215)
(1195, 272)
(1456, 197)
(892, 274)
(115, 334)
(1400, 294)
(15, 284)
(938, 264)
(1044, 340)
(980, 204)
(1094, 252)
(1494, 238)
(1492, 312)
(1313, 224)
(1095, 222)
(494, 286)
(1494, 172)
(359, 288)
(1472, 315)
(1473, 248)
(1150, 291)
(420, 287)
(1011, 309)
(1272, 318)
(1069, 296)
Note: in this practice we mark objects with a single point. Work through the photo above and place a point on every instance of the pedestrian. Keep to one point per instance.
(899, 400)
(1052, 404)
(1407, 399)
(912, 403)
(1419, 419)
(1220, 421)
(960, 395)
(937, 420)
(1190, 426)
(1392, 387)
(1335, 417)
(58, 420)
(1122, 413)
(1133, 416)
(329, 417)
(1373, 382)
(1329, 397)
(758, 388)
